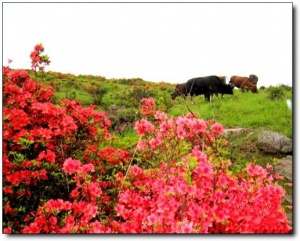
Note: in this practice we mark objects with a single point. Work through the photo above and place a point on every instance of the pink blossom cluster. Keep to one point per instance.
(186, 128)
(205, 199)
(148, 106)
(38, 61)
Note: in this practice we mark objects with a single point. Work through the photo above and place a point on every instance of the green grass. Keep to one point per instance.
(126, 140)
(245, 110)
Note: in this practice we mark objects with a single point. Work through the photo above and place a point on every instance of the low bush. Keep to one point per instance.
(275, 93)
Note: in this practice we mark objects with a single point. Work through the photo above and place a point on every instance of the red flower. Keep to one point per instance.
(7, 230)
(43, 174)
(18, 118)
(32, 228)
(47, 155)
(14, 178)
(8, 189)
(75, 193)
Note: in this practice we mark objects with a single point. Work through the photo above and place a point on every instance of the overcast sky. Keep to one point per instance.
(170, 42)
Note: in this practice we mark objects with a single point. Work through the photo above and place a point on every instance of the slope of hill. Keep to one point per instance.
(266, 109)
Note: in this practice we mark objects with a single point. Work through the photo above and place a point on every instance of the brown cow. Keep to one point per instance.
(243, 83)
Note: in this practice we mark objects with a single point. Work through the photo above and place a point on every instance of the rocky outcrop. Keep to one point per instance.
(233, 132)
(274, 143)
(284, 167)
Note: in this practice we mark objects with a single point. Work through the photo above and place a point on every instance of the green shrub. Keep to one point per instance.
(276, 93)
(262, 88)
(97, 94)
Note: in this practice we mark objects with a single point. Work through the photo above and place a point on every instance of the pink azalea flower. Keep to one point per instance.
(269, 167)
(151, 219)
(217, 128)
(199, 125)
(155, 143)
(142, 145)
(185, 227)
(87, 168)
(277, 176)
(160, 116)
(143, 126)
(94, 189)
(135, 171)
(71, 166)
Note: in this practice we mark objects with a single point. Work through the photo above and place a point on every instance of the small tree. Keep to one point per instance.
(38, 61)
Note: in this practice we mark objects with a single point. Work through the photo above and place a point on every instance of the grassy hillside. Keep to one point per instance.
(243, 110)
(264, 110)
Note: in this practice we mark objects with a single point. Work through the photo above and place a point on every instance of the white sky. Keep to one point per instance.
(170, 42)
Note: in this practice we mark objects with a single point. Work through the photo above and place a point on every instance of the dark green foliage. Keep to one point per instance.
(139, 93)
(276, 93)
(97, 93)
(286, 87)
(71, 95)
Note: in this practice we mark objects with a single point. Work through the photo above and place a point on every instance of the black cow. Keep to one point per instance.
(206, 86)
(180, 90)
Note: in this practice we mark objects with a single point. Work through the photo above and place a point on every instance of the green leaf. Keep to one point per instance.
(192, 162)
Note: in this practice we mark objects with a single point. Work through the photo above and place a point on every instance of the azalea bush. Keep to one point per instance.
(38, 137)
(60, 177)
(189, 188)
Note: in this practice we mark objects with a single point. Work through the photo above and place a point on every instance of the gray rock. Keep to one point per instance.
(274, 143)
(284, 167)
(289, 216)
(288, 198)
(234, 132)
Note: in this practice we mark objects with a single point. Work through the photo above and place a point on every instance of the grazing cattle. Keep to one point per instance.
(206, 86)
(243, 83)
(180, 90)
(253, 79)
(223, 79)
